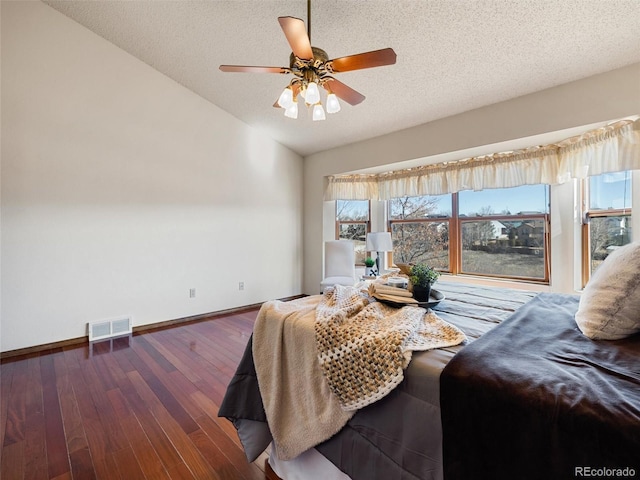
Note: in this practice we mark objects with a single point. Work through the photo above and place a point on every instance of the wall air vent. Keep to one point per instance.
(101, 329)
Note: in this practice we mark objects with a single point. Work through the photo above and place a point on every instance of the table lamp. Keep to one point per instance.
(379, 242)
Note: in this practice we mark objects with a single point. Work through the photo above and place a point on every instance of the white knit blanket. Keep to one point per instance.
(301, 411)
(364, 346)
(296, 391)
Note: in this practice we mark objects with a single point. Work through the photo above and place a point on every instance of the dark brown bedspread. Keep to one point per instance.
(535, 399)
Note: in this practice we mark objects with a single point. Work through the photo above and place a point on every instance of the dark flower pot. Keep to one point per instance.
(421, 294)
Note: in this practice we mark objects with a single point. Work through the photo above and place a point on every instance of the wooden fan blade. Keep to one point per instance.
(297, 37)
(376, 58)
(252, 69)
(343, 91)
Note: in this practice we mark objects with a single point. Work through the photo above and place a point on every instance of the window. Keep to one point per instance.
(498, 232)
(504, 232)
(420, 229)
(352, 223)
(607, 224)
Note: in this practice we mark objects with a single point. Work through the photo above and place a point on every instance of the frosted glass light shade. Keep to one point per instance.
(313, 94)
(318, 112)
(286, 98)
(333, 105)
(292, 111)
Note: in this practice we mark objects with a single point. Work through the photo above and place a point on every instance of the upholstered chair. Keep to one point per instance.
(339, 263)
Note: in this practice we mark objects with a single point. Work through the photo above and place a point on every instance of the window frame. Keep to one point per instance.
(589, 214)
(546, 237)
(455, 241)
(366, 223)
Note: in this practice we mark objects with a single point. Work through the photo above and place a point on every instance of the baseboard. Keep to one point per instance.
(193, 319)
(38, 349)
(205, 316)
(27, 352)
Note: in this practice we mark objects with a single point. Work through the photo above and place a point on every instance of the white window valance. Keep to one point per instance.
(615, 147)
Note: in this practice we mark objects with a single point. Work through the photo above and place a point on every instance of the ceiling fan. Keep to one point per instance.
(312, 68)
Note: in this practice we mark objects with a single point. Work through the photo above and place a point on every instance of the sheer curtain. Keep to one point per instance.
(615, 147)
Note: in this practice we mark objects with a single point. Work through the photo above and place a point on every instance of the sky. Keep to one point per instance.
(527, 198)
(611, 190)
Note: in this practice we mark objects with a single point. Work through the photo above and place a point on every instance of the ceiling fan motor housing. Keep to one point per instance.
(310, 70)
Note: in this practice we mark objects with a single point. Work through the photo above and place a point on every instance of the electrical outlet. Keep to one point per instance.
(192, 293)
(240, 285)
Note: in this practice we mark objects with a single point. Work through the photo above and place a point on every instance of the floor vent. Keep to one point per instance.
(101, 329)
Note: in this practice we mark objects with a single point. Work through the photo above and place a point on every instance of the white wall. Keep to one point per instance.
(121, 190)
(600, 98)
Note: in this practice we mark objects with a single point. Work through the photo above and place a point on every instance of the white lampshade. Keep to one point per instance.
(286, 98)
(313, 94)
(318, 112)
(292, 111)
(333, 105)
(379, 242)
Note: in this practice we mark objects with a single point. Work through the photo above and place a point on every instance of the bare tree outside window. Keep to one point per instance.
(478, 233)
(608, 216)
(426, 240)
(605, 235)
(421, 242)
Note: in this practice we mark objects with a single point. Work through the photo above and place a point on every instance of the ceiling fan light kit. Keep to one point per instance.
(312, 68)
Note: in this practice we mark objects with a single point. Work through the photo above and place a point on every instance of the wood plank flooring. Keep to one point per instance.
(139, 407)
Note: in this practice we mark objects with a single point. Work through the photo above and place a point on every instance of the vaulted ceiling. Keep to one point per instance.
(452, 55)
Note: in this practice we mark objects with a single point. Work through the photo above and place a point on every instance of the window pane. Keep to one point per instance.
(352, 210)
(507, 248)
(406, 208)
(526, 199)
(610, 191)
(607, 234)
(421, 242)
(356, 232)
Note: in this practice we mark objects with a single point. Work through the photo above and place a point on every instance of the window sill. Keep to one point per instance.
(494, 282)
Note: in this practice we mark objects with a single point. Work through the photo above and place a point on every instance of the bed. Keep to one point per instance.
(434, 426)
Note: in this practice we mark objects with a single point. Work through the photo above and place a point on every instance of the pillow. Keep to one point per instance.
(609, 307)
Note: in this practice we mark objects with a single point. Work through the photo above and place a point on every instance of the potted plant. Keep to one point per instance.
(422, 276)
(369, 264)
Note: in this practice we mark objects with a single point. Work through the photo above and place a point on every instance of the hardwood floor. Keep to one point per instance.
(140, 407)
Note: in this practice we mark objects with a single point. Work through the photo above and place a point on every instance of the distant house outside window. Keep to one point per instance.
(504, 232)
(352, 223)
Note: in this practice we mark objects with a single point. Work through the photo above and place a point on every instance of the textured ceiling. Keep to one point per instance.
(453, 55)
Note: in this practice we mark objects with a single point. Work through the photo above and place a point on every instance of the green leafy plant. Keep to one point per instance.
(423, 275)
(369, 262)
